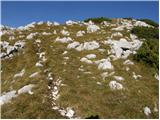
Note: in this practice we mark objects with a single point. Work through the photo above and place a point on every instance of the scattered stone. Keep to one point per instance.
(136, 76)
(117, 51)
(86, 60)
(31, 35)
(73, 45)
(34, 74)
(42, 56)
(104, 75)
(140, 23)
(91, 56)
(114, 85)
(4, 44)
(99, 83)
(55, 95)
(65, 52)
(119, 28)
(55, 108)
(27, 27)
(40, 23)
(11, 38)
(80, 33)
(123, 48)
(19, 44)
(66, 58)
(49, 87)
(70, 22)
(134, 52)
(155, 108)
(10, 49)
(88, 72)
(101, 50)
(128, 62)
(65, 33)
(62, 112)
(26, 89)
(20, 74)
(45, 33)
(156, 76)
(90, 23)
(104, 64)
(5, 98)
(88, 46)
(136, 44)
(56, 24)
(105, 23)
(147, 111)
(64, 40)
(119, 78)
(127, 68)
(2, 54)
(81, 69)
(92, 28)
(38, 41)
(117, 34)
(38, 64)
(49, 23)
(49, 77)
(126, 24)
(126, 54)
(69, 112)
(55, 32)
(133, 37)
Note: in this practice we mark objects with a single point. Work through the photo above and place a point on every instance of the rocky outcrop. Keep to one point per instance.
(10, 50)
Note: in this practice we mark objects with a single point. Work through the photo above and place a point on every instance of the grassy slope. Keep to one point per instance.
(83, 94)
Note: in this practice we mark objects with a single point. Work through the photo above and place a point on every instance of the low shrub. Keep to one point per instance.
(146, 32)
(98, 20)
(128, 18)
(149, 53)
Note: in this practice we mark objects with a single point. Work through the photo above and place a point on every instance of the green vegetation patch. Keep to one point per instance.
(149, 53)
(98, 20)
(146, 32)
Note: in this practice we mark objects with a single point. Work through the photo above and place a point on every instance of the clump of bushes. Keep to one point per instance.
(128, 18)
(146, 32)
(148, 53)
(98, 20)
(150, 22)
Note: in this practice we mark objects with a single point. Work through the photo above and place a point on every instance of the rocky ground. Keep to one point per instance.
(75, 70)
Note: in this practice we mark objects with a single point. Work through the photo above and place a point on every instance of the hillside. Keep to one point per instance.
(77, 70)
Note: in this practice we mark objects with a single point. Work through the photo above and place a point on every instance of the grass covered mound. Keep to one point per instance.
(98, 20)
